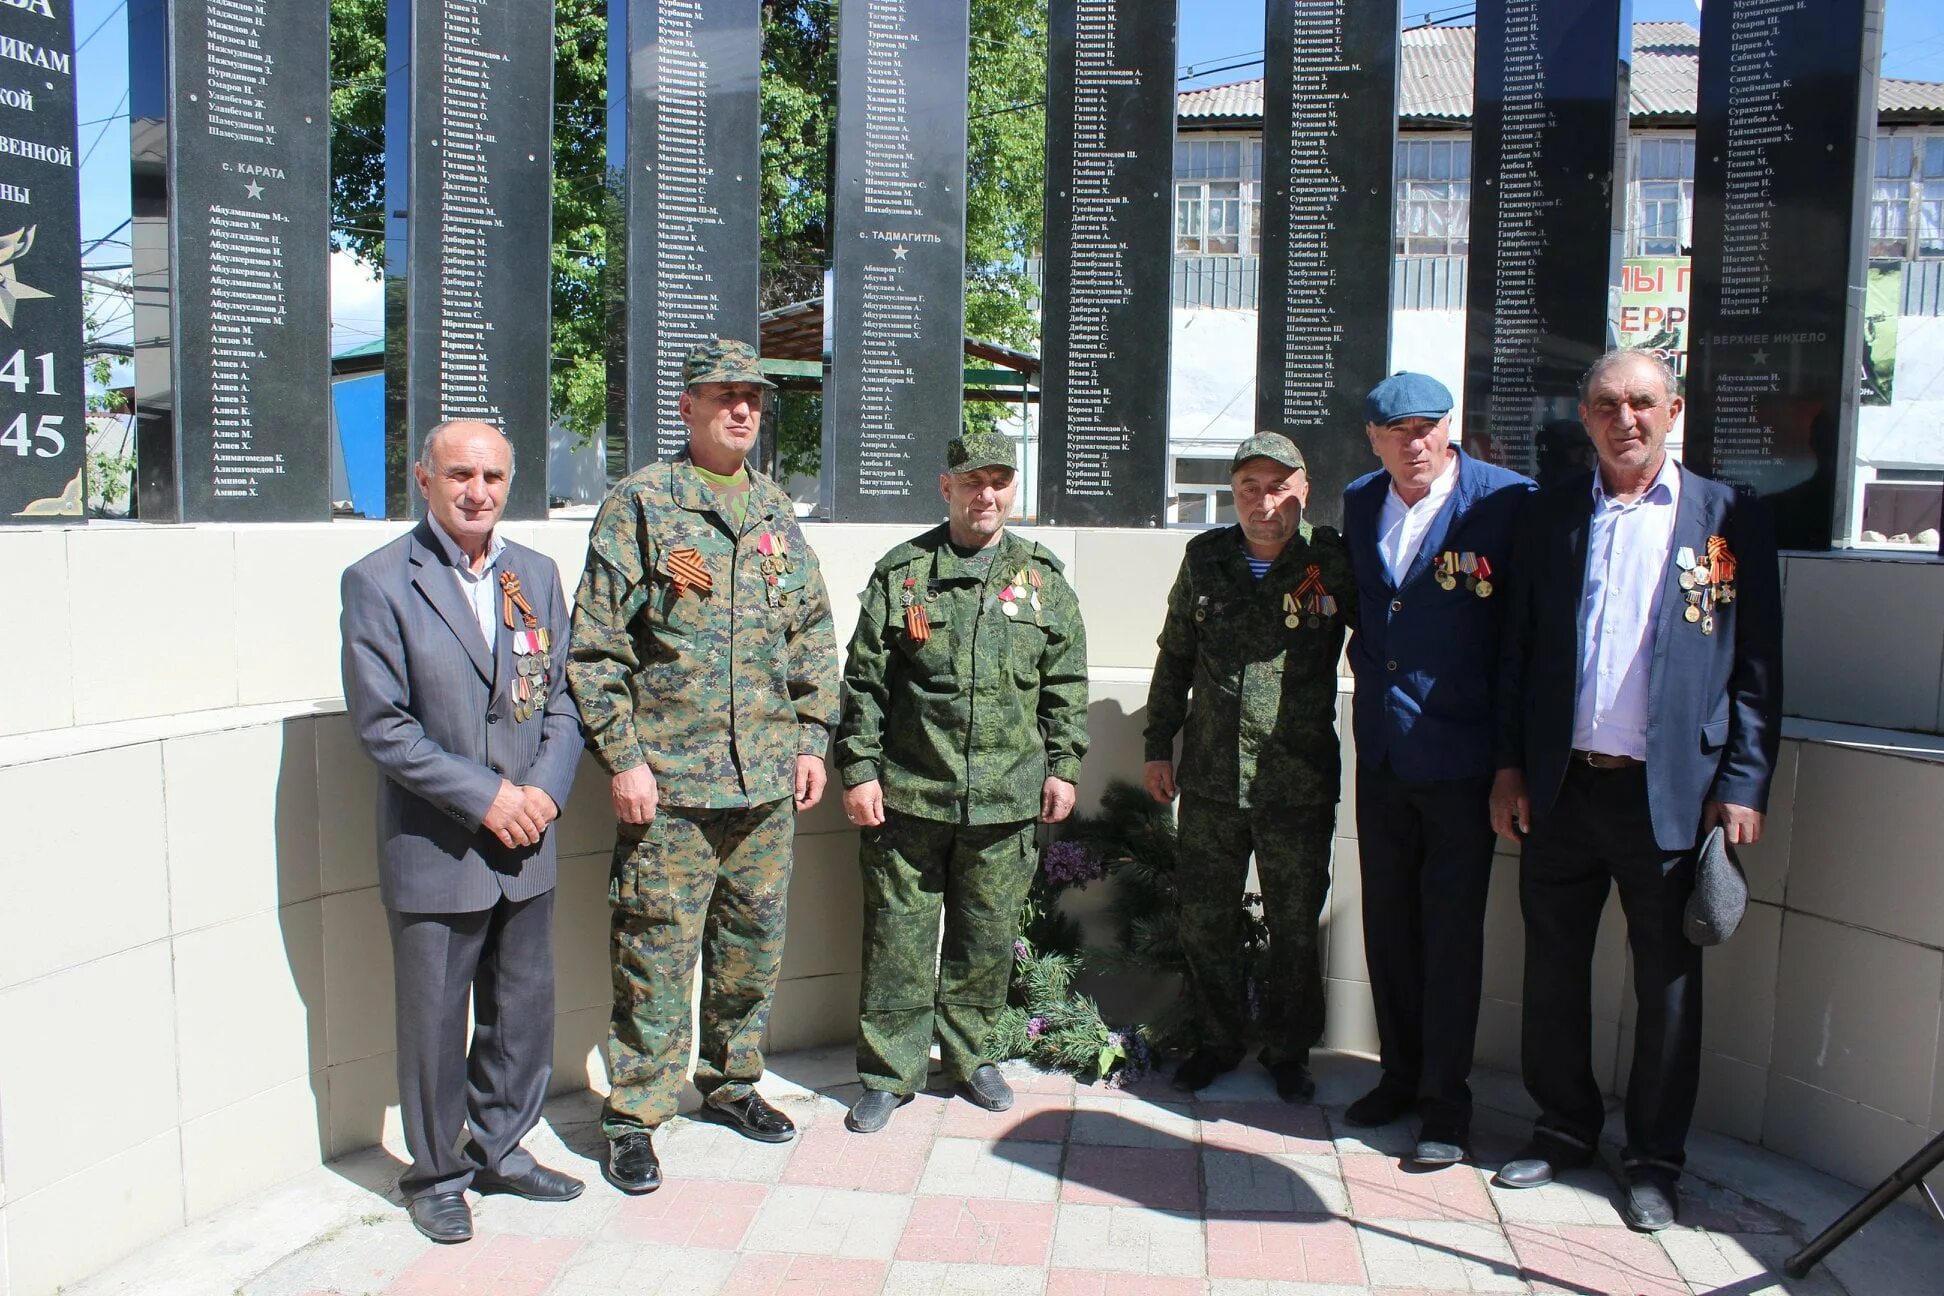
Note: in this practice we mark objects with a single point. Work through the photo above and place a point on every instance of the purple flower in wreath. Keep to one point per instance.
(1021, 949)
(1116, 1040)
(1035, 1027)
(1071, 863)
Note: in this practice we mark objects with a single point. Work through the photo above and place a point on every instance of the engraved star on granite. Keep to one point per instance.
(12, 292)
(253, 189)
(899, 251)
(1759, 357)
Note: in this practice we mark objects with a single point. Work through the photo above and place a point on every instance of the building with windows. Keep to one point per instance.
(1218, 213)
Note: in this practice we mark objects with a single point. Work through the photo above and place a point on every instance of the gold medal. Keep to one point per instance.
(1691, 612)
(1292, 621)
(1447, 581)
(1483, 589)
(1687, 580)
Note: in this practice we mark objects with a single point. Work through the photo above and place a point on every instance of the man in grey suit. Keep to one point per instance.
(455, 645)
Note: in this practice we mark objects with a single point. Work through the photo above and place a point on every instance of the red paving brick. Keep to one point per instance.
(1579, 1258)
(487, 1266)
(778, 1275)
(1285, 1249)
(1269, 1129)
(830, 1156)
(709, 1213)
(1038, 1117)
(1096, 1282)
(977, 1230)
(1381, 1189)
(1158, 1178)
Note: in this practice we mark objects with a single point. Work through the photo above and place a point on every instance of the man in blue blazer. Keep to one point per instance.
(1429, 535)
(455, 649)
(1640, 702)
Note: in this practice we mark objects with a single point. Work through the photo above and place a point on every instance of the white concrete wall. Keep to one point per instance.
(195, 988)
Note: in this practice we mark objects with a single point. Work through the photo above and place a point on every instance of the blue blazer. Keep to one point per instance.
(1426, 658)
(1715, 700)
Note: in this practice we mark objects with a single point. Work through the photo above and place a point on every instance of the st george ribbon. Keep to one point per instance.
(1329, 114)
(683, 140)
(1110, 117)
(1781, 176)
(1547, 215)
(231, 180)
(468, 232)
(895, 315)
(43, 428)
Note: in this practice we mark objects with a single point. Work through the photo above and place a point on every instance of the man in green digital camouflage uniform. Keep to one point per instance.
(965, 714)
(1247, 675)
(705, 667)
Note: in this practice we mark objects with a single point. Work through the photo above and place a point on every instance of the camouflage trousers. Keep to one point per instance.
(914, 986)
(707, 882)
(1292, 855)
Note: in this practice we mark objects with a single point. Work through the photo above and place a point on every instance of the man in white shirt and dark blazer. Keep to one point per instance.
(455, 646)
(1640, 701)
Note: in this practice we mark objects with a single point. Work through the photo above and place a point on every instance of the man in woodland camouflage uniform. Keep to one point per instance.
(965, 713)
(704, 664)
(1254, 628)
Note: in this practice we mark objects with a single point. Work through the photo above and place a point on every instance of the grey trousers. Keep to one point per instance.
(502, 958)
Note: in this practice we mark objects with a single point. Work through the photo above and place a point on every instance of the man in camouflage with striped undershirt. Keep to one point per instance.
(965, 718)
(705, 667)
(1247, 677)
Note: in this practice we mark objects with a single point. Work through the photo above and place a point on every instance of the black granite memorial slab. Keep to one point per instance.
(683, 140)
(1549, 132)
(1329, 128)
(43, 423)
(232, 176)
(1781, 176)
(468, 231)
(895, 316)
(1110, 117)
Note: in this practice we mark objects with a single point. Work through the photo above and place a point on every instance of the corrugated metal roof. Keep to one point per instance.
(1435, 80)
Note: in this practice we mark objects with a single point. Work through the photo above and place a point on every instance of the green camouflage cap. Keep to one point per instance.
(1268, 445)
(723, 360)
(977, 450)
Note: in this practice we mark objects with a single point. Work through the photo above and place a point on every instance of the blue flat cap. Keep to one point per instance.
(1407, 395)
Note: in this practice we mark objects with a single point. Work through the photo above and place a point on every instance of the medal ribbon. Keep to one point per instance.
(685, 565)
(1312, 581)
(1721, 563)
(512, 598)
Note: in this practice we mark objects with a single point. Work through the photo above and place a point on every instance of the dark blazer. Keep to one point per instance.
(1714, 700)
(1426, 658)
(433, 710)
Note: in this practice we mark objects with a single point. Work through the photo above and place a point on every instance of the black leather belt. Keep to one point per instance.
(1604, 761)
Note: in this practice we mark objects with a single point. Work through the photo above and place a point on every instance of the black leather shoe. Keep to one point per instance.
(1439, 1145)
(632, 1165)
(1293, 1081)
(986, 1088)
(1539, 1162)
(872, 1110)
(1653, 1200)
(1380, 1106)
(1199, 1070)
(537, 1184)
(753, 1117)
(443, 1217)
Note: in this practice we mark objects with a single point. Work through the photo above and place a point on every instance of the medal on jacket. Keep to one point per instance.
(1445, 565)
(686, 571)
(917, 620)
(1033, 579)
(1705, 582)
(1015, 590)
(528, 688)
(1310, 602)
(775, 566)
(1481, 577)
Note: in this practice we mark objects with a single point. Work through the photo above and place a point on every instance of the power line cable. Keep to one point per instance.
(123, 4)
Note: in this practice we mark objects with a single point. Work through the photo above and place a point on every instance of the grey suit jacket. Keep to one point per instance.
(433, 710)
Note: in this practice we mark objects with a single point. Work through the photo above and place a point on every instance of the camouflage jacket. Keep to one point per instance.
(967, 726)
(717, 690)
(1260, 726)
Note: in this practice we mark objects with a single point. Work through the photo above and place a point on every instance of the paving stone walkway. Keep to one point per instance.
(1077, 1191)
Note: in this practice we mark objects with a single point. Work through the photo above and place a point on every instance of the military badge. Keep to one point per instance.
(776, 565)
(1024, 586)
(531, 643)
(917, 621)
(1309, 603)
(1706, 582)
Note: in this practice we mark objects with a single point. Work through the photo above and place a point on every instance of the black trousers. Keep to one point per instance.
(1598, 834)
(502, 959)
(1426, 853)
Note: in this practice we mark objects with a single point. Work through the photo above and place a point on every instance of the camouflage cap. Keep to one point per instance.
(723, 360)
(976, 450)
(1268, 445)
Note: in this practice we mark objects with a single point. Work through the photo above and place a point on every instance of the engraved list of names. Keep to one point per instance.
(1550, 126)
(1109, 198)
(478, 210)
(1330, 96)
(897, 311)
(1773, 345)
(251, 178)
(685, 136)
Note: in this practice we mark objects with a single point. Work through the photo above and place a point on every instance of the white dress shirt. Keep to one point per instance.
(478, 588)
(1401, 527)
(1627, 548)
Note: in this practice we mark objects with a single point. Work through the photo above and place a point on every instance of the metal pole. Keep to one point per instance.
(1910, 1174)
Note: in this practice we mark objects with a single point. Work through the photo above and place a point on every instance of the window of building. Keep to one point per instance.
(1907, 196)
(1433, 197)
(1218, 196)
(1660, 195)
(1201, 494)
